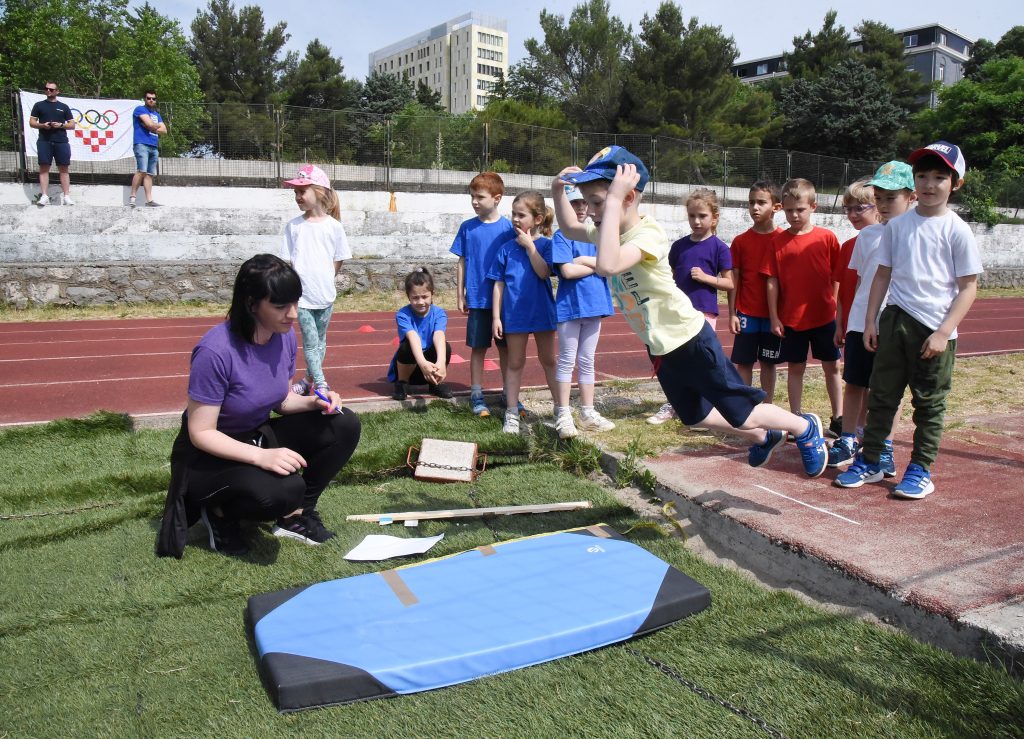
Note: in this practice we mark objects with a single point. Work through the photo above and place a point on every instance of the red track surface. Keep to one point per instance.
(66, 369)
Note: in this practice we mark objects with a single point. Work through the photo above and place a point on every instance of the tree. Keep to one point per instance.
(846, 112)
(585, 61)
(984, 51)
(882, 51)
(428, 97)
(384, 94)
(527, 83)
(527, 138)
(318, 81)
(813, 54)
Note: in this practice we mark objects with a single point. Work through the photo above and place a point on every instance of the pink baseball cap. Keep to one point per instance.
(310, 174)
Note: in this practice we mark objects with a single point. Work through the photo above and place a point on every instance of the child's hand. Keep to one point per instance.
(524, 239)
(696, 273)
(626, 180)
(934, 345)
(734, 325)
(871, 338)
(560, 181)
(777, 328)
(840, 338)
(496, 328)
(440, 372)
(461, 301)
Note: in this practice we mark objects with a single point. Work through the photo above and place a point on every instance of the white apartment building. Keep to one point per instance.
(462, 59)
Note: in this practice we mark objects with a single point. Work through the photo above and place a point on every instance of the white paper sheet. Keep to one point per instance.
(377, 546)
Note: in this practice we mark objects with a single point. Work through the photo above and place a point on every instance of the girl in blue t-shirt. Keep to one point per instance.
(421, 327)
(582, 301)
(523, 302)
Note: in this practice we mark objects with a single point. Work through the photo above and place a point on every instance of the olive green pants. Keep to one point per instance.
(898, 363)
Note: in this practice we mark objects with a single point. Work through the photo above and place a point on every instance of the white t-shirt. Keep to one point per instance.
(313, 247)
(864, 261)
(927, 254)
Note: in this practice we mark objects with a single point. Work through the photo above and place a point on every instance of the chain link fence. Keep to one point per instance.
(257, 144)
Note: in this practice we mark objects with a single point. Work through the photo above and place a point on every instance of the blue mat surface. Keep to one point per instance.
(477, 613)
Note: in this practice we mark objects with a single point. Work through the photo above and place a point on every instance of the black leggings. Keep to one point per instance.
(404, 355)
(244, 491)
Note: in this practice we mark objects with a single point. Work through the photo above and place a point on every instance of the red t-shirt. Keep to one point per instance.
(749, 251)
(803, 266)
(847, 279)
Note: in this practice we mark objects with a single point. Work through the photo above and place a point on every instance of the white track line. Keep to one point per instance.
(808, 505)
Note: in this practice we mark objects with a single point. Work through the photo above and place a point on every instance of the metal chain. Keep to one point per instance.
(708, 695)
(452, 467)
(65, 512)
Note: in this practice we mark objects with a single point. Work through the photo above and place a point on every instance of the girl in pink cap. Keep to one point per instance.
(316, 245)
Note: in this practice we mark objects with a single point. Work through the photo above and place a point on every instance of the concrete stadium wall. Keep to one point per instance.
(100, 251)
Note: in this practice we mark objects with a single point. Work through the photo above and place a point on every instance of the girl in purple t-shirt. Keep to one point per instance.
(701, 265)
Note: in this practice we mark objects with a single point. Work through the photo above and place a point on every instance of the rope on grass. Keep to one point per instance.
(62, 512)
(708, 695)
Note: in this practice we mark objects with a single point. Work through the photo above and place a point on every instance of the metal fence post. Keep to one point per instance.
(387, 155)
(19, 136)
(654, 166)
(725, 176)
(487, 147)
(789, 165)
(277, 139)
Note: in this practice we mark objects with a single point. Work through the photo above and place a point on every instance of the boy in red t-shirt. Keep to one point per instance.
(749, 320)
(801, 297)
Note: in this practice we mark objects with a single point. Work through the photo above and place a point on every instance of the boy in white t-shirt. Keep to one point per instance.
(928, 261)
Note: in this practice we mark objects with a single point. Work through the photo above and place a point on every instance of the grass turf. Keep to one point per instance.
(101, 637)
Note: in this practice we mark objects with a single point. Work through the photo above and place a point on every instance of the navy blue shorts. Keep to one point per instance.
(857, 361)
(756, 342)
(479, 329)
(50, 151)
(821, 341)
(697, 377)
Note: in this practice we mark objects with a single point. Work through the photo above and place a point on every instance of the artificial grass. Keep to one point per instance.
(102, 638)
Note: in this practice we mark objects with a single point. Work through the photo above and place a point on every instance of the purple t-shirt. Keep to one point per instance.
(712, 256)
(246, 380)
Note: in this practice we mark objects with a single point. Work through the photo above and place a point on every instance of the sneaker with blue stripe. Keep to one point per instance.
(476, 402)
(916, 483)
(759, 454)
(811, 443)
(843, 451)
(859, 473)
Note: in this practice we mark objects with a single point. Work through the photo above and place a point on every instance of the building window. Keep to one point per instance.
(489, 38)
(486, 85)
(910, 40)
(481, 100)
(488, 69)
(942, 73)
(495, 56)
(942, 39)
(762, 68)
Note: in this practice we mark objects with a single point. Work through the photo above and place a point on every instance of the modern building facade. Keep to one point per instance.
(936, 52)
(462, 59)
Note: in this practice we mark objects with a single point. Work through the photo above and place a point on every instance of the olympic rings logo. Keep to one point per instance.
(94, 119)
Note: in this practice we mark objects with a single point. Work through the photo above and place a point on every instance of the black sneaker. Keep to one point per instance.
(225, 534)
(835, 427)
(441, 390)
(306, 527)
(401, 391)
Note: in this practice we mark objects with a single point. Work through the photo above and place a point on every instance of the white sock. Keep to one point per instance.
(586, 410)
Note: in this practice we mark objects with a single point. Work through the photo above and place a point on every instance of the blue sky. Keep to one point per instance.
(353, 29)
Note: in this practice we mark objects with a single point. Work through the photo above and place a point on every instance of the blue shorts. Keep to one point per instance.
(480, 329)
(820, 340)
(857, 361)
(146, 158)
(50, 151)
(697, 377)
(756, 342)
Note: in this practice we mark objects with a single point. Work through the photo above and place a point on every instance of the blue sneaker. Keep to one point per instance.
(759, 454)
(842, 452)
(811, 443)
(887, 461)
(916, 483)
(859, 473)
(476, 402)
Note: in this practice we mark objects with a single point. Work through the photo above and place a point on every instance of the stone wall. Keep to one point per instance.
(25, 284)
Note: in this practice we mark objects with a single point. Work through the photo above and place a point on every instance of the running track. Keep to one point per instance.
(65, 369)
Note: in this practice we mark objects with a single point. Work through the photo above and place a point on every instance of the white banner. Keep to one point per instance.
(102, 132)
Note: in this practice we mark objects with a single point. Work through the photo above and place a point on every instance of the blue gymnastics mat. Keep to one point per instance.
(446, 621)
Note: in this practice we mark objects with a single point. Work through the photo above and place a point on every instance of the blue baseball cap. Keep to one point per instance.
(947, 152)
(603, 167)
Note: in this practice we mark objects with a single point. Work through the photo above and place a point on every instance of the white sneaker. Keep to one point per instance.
(43, 200)
(511, 425)
(594, 421)
(665, 413)
(131, 202)
(564, 425)
(66, 200)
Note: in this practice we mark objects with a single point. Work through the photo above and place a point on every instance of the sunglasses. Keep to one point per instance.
(862, 208)
(150, 97)
(50, 89)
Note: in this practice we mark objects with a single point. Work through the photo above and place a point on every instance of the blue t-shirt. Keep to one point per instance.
(246, 380)
(141, 135)
(436, 319)
(711, 255)
(584, 297)
(528, 304)
(477, 243)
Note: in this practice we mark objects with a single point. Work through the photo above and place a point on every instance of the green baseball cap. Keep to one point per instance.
(894, 175)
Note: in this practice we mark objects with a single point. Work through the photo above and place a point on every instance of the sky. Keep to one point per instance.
(760, 28)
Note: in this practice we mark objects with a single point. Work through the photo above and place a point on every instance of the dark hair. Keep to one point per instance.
(149, 92)
(534, 202)
(935, 163)
(263, 276)
(419, 277)
(769, 187)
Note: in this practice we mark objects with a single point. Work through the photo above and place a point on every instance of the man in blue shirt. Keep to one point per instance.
(148, 127)
(53, 120)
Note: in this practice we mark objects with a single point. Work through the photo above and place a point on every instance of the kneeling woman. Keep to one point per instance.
(231, 461)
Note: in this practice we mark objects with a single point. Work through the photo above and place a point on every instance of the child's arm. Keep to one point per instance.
(936, 343)
(574, 270)
(568, 223)
(338, 265)
(722, 282)
(460, 285)
(730, 296)
(772, 291)
(839, 338)
(440, 347)
(879, 287)
(614, 257)
(540, 267)
(499, 293)
(426, 367)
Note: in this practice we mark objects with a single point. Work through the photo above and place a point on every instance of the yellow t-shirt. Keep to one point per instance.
(656, 309)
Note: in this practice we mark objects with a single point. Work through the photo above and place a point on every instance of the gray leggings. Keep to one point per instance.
(313, 322)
